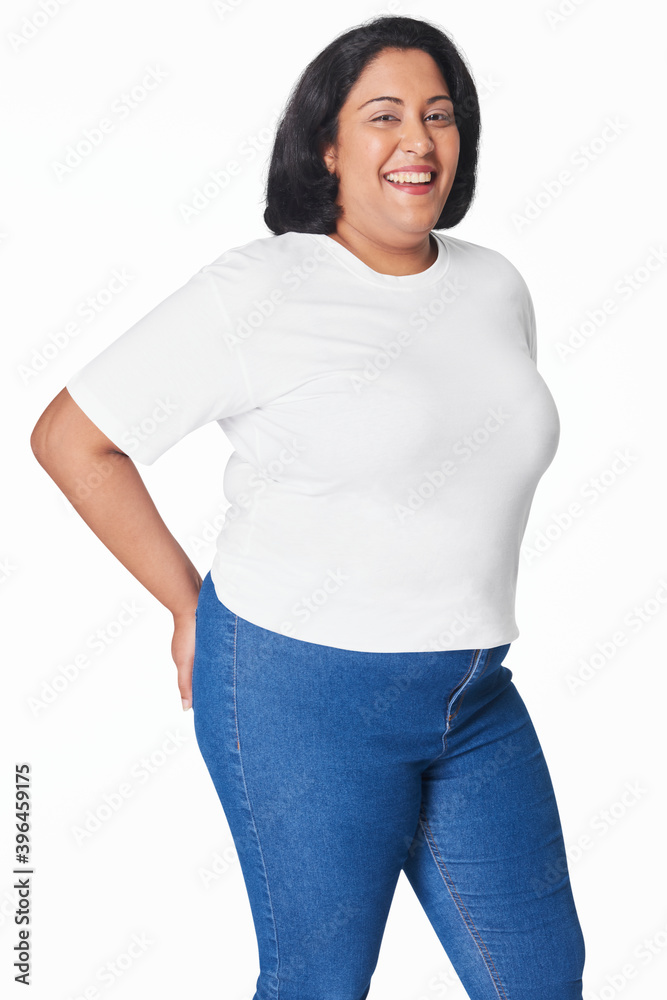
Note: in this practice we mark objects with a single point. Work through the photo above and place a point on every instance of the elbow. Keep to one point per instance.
(38, 438)
(63, 433)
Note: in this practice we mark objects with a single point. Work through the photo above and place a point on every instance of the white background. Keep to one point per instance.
(549, 85)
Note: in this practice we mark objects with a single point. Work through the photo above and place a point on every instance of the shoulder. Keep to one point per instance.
(486, 262)
(266, 253)
(251, 279)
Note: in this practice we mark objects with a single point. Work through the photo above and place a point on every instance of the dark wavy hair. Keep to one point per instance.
(300, 191)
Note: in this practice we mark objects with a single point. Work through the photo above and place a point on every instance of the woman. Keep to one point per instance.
(344, 654)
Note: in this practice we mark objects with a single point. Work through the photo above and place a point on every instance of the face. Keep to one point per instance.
(396, 116)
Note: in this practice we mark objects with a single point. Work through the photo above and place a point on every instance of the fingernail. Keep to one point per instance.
(185, 703)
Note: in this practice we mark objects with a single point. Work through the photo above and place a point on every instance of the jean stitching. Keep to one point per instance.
(236, 718)
(474, 933)
(254, 824)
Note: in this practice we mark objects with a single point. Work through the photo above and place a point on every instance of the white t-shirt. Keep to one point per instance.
(389, 432)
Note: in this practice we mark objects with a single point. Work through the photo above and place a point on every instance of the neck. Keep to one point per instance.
(397, 260)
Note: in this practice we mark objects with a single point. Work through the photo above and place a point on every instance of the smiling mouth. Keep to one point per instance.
(415, 182)
(410, 177)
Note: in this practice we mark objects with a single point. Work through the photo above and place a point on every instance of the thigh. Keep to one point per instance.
(488, 862)
(321, 807)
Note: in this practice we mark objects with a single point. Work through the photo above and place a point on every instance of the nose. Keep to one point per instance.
(416, 138)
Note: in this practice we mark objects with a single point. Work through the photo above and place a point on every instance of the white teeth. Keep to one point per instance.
(413, 178)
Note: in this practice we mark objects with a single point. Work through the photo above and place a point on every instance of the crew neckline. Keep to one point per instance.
(434, 273)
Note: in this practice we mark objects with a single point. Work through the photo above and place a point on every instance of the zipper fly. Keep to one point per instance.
(461, 685)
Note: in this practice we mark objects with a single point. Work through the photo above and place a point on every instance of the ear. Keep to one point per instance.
(329, 157)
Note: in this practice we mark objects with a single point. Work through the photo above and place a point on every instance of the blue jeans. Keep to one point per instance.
(338, 769)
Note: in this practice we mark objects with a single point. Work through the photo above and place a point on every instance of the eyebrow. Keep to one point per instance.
(397, 100)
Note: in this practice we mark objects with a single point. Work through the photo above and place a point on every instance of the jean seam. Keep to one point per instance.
(252, 816)
(453, 892)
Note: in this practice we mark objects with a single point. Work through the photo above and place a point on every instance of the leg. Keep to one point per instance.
(488, 862)
(321, 807)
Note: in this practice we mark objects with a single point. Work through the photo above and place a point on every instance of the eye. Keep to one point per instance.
(444, 116)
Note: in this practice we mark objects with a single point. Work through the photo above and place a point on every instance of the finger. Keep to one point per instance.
(185, 686)
(183, 654)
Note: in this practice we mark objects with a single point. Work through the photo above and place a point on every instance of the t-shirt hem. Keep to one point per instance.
(103, 418)
(232, 603)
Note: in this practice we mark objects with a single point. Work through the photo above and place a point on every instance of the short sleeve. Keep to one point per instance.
(175, 370)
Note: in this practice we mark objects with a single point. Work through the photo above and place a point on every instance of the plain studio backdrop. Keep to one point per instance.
(137, 890)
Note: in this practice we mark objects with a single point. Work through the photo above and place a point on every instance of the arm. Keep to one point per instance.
(104, 486)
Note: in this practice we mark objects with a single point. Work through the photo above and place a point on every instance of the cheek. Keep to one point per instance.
(451, 145)
(365, 158)
(371, 154)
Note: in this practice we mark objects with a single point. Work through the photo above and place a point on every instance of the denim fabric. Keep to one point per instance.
(338, 769)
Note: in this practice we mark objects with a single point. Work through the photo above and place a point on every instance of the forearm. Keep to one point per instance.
(107, 491)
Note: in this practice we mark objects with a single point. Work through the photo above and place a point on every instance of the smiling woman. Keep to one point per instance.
(401, 99)
(407, 143)
(377, 380)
